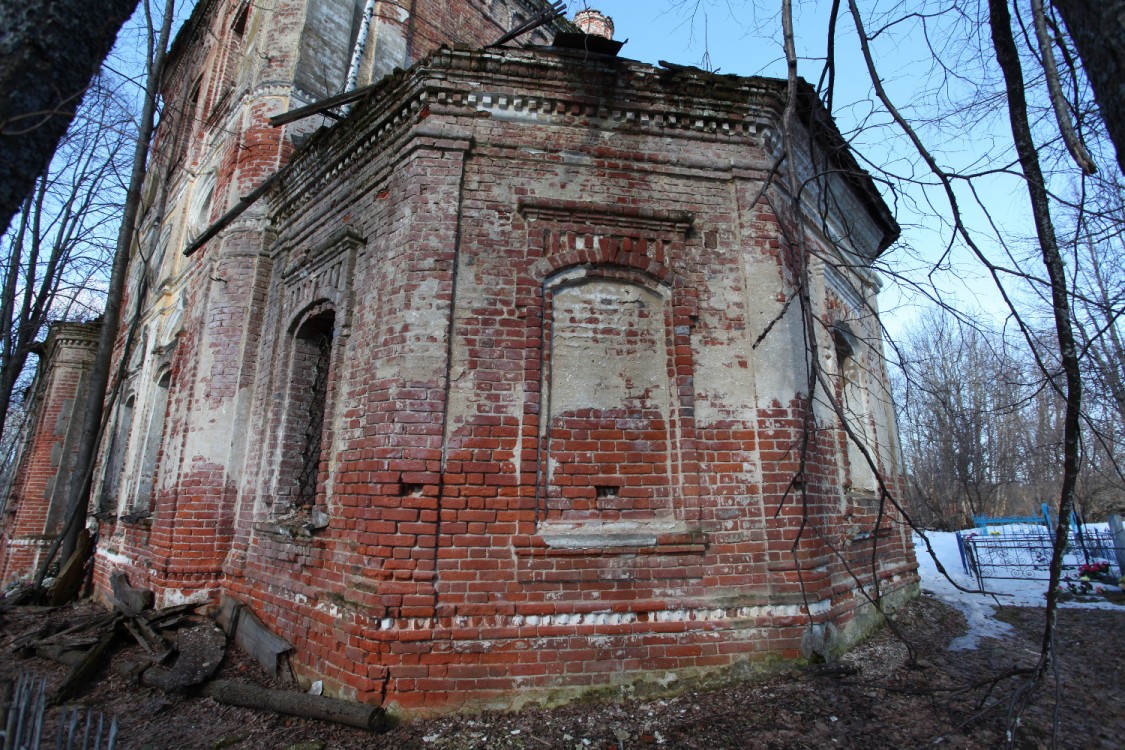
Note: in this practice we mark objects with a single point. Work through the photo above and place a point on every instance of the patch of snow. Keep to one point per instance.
(980, 607)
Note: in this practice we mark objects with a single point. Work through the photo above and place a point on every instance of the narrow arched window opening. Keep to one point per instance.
(239, 25)
(146, 486)
(308, 400)
(118, 446)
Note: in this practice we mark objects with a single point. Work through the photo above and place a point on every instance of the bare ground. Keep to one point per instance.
(949, 697)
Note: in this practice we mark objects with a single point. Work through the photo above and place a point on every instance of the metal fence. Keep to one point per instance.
(79, 728)
(1027, 555)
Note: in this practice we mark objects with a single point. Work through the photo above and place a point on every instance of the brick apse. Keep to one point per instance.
(500, 393)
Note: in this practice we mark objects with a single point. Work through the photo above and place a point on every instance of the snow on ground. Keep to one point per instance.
(978, 607)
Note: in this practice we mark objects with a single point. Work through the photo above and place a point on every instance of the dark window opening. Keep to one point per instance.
(193, 103)
(309, 384)
(239, 26)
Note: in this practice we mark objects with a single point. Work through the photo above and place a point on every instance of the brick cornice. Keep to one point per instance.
(72, 335)
(552, 86)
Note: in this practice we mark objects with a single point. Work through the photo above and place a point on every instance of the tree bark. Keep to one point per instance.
(49, 51)
(1098, 30)
(92, 406)
(1007, 57)
(358, 715)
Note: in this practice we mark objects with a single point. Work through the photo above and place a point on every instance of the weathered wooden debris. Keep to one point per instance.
(200, 651)
(81, 631)
(21, 640)
(81, 673)
(70, 644)
(253, 636)
(21, 595)
(80, 636)
(127, 599)
(185, 659)
(71, 657)
(170, 617)
(291, 703)
(154, 644)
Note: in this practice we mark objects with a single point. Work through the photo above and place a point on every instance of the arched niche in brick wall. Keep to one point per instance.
(609, 402)
(313, 296)
(616, 442)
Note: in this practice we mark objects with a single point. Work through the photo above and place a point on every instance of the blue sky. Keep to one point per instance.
(745, 38)
(667, 30)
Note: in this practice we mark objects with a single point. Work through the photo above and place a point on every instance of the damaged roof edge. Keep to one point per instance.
(822, 124)
(810, 109)
(191, 28)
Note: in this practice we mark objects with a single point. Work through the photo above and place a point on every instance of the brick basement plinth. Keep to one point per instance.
(501, 393)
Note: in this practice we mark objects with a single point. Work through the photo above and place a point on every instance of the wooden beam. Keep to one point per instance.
(318, 107)
(235, 212)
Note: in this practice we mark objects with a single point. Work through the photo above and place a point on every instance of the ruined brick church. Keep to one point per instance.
(491, 385)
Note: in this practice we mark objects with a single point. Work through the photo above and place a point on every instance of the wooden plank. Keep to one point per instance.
(88, 667)
(152, 642)
(227, 616)
(95, 623)
(235, 212)
(160, 617)
(318, 107)
(61, 654)
(253, 636)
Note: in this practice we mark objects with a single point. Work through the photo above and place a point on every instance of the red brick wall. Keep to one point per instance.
(454, 568)
(40, 486)
(468, 554)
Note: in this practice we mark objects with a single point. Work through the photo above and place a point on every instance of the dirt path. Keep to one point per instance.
(883, 704)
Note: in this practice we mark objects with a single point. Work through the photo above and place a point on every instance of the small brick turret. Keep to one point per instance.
(594, 22)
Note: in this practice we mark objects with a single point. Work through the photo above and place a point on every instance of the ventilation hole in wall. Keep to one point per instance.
(606, 492)
(410, 490)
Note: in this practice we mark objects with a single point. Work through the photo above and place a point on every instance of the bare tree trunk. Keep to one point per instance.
(9, 354)
(1007, 55)
(49, 51)
(56, 243)
(99, 375)
(1098, 30)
